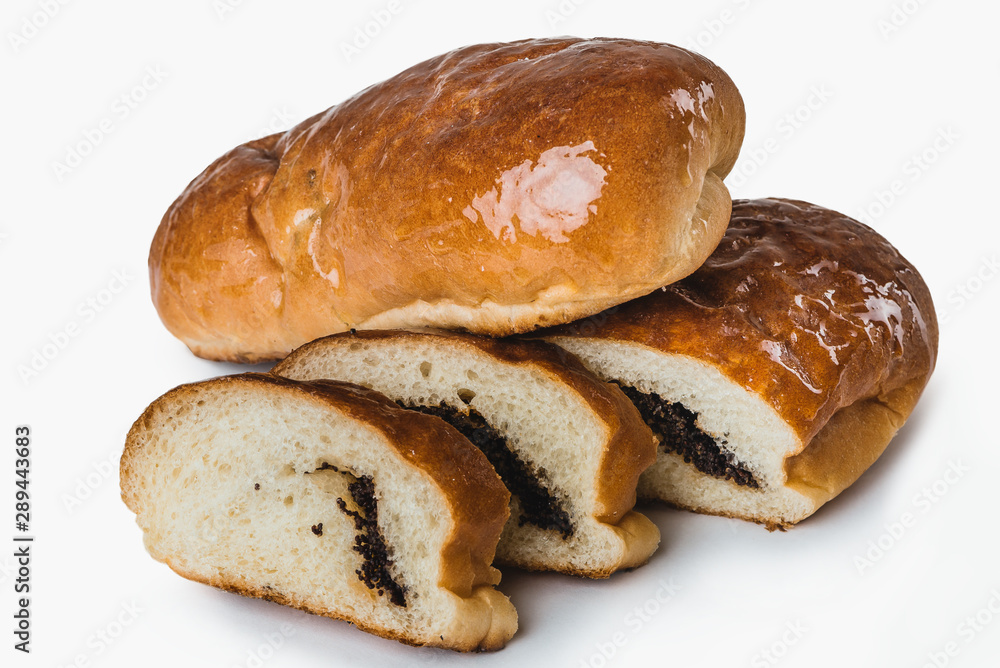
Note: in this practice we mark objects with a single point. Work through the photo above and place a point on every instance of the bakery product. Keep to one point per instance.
(569, 447)
(496, 188)
(777, 373)
(303, 494)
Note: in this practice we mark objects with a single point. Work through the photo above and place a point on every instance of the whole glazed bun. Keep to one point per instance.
(496, 188)
(801, 345)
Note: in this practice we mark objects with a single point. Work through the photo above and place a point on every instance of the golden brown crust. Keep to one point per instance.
(496, 188)
(810, 310)
(640, 537)
(850, 442)
(477, 498)
(204, 266)
(631, 447)
(492, 642)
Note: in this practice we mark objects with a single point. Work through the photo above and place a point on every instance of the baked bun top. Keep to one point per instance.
(496, 188)
(800, 304)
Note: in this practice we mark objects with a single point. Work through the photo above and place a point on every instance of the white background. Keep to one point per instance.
(867, 98)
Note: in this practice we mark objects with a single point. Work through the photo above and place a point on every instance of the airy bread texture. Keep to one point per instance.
(249, 483)
(495, 189)
(801, 346)
(580, 437)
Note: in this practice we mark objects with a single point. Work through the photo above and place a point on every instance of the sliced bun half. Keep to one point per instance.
(777, 373)
(325, 497)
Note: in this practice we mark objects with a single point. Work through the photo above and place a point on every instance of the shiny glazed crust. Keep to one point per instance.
(810, 310)
(477, 498)
(629, 448)
(496, 189)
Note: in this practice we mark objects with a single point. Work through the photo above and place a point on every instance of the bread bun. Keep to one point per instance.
(496, 188)
(568, 446)
(306, 494)
(778, 372)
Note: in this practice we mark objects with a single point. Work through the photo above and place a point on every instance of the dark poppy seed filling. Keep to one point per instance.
(678, 432)
(538, 505)
(368, 542)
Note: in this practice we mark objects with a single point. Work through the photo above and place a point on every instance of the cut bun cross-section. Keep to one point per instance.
(307, 494)
(777, 373)
(569, 447)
